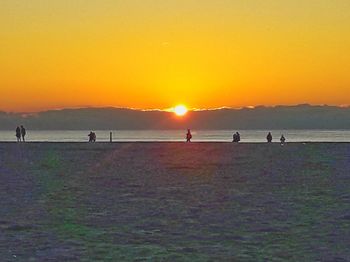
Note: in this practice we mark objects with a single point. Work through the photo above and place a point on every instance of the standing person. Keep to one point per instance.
(283, 140)
(91, 136)
(18, 134)
(234, 138)
(188, 135)
(238, 135)
(269, 137)
(23, 133)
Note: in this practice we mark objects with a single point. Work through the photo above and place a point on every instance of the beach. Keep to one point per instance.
(174, 202)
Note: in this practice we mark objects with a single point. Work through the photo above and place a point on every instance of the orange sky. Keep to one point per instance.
(159, 53)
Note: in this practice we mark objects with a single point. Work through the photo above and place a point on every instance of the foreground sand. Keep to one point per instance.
(174, 202)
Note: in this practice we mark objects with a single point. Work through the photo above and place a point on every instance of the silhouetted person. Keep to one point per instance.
(269, 137)
(283, 140)
(236, 137)
(18, 134)
(188, 135)
(92, 137)
(23, 133)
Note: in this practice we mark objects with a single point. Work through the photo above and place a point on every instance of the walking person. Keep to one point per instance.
(92, 137)
(23, 133)
(188, 136)
(18, 134)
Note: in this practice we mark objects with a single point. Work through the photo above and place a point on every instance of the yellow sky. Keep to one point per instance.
(158, 53)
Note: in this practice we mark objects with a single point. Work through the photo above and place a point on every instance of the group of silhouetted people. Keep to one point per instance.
(20, 134)
(92, 137)
(237, 137)
(269, 138)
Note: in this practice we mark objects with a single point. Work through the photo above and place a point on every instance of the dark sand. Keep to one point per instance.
(174, 202)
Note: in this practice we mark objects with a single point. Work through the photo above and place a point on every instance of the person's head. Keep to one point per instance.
(21, 126)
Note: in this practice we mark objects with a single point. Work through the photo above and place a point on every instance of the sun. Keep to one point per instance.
(180, 110)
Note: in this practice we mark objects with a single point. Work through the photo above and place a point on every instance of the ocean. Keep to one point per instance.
(247, 136)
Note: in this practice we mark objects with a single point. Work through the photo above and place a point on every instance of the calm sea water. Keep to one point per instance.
(248, 136)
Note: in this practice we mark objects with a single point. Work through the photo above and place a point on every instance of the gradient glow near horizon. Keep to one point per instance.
(152, 54)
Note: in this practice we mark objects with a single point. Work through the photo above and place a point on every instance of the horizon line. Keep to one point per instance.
(170, 110)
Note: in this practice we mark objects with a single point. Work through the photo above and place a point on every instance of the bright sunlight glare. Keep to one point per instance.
(180, 110)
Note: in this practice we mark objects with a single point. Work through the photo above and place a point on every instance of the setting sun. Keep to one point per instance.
(180, 110)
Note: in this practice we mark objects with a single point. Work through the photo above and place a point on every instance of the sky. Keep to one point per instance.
(155, 54)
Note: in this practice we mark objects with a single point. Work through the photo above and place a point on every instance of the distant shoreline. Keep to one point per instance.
(168, 136)
(297, 117)
(167, 142)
